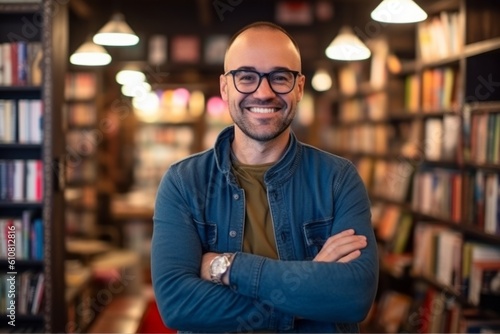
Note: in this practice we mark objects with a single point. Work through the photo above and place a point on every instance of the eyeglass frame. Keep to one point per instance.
(262, 75)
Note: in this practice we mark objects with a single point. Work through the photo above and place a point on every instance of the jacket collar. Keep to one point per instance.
(278, 173)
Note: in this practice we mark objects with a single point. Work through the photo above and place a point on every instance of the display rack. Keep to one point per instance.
(35, 75)
(426, 144)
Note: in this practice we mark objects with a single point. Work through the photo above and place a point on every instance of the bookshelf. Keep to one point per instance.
(426, 144)
(82, 141)
(172, 132)
(31, 91)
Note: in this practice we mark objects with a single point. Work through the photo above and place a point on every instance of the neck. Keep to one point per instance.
(252, 152)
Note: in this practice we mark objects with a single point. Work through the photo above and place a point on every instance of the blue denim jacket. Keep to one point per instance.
(312, 195)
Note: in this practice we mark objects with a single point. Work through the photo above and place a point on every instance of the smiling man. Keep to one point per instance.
(263, 232)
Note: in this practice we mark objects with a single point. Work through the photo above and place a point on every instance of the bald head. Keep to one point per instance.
(262, 37)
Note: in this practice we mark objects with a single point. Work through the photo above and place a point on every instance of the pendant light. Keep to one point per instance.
(347, 46)
(129, 75)
(321, 80)
(90, 54)
(116, 33)
(398, 11)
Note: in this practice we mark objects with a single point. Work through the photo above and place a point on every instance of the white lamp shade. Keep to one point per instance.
(116, 33)
(90, 54)
(347, 46)
(398, 11)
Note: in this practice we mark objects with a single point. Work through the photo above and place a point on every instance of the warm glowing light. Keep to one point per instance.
(398, 11)
(146, 108)
(130, 76)
(180, 97)
(196, 103)
(305, 116)
(347, 46)
(116, 33)
(321, 81)
(90, 54)
(215, 106)
(137, 90)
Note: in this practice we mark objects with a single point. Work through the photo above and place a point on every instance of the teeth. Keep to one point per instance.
(262, 110)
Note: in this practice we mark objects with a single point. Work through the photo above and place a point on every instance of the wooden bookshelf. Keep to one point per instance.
(435, 162)
(31, 82)
(83, 139)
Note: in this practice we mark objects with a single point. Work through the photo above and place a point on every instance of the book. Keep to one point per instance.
(37, 239)
(448, 263)
(392, 310)
(484, 280)
(491, 203)
(440, 36)
(412, 93)
(20, 63)
(451, 137)
(433, 139)
(475, 257)
(388, 223)
(38, 293)
(8, 121)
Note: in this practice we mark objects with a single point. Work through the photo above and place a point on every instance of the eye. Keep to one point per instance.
(281, 77)
(246, 77)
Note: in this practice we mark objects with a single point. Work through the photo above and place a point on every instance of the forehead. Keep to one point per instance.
(264, 49)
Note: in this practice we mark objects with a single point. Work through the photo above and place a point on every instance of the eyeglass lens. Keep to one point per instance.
(249, 81)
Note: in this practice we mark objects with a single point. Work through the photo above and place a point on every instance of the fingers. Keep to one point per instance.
(350, 256)
(340, 235)
(343, 246)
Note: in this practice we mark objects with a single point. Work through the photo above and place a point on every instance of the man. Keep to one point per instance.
(262, 232)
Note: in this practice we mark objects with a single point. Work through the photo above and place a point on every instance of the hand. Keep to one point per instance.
(205, 265)
(342, 247)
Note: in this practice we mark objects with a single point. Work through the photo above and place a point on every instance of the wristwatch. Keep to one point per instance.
(219, 266)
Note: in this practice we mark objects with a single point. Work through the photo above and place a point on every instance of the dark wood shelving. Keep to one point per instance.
(26, 7)
(20, 151)
(43, 22)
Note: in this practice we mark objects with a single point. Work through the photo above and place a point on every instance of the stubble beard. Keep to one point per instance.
(250, 130)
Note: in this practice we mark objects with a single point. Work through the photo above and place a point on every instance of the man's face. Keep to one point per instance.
(262, 115)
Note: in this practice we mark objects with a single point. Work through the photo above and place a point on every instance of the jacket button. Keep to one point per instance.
(236, 196)
(232, 234)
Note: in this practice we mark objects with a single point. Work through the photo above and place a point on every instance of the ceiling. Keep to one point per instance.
(205, 18)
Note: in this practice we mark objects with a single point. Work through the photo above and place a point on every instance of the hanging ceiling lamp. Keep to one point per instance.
(116, 33)
(347, 46)
(398, 11)
(90, 54)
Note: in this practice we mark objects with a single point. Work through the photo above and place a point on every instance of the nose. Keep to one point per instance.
(264, 90)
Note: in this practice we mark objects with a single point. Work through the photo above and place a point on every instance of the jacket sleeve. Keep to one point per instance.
(321, 291)
(185, 301)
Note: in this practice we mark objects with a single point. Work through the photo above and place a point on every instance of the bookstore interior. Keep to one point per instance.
(90, 122)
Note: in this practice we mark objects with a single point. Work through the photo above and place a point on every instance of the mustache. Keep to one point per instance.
(253, 102)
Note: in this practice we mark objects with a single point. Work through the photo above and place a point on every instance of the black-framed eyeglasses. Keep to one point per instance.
(248, 81)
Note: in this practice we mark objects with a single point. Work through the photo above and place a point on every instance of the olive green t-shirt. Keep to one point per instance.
(258, 237)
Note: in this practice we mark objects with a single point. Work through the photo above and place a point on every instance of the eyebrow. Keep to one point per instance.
(251, 68)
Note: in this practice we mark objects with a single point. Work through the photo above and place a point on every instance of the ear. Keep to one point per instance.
(301, 81)
(223, 87)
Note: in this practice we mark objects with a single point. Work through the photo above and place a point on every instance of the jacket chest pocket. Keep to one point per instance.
(315, 234)
(208, 235)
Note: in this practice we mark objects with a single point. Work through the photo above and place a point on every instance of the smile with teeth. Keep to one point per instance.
(262, 110)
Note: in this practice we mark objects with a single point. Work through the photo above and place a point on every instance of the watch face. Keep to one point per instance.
(219, 266)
